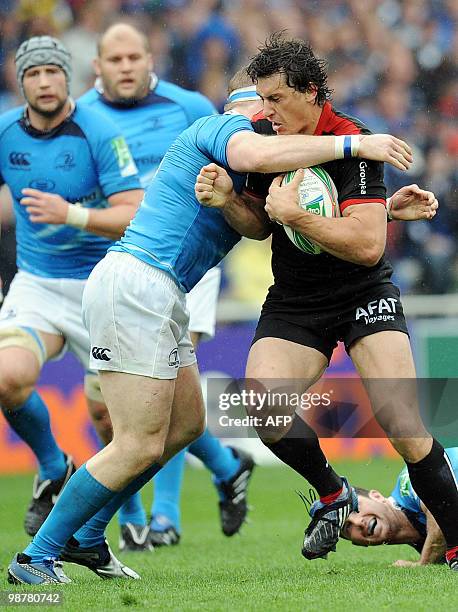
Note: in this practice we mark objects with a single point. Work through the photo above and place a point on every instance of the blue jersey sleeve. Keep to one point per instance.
(6, 121)
(115, 165)
(214, 134)
(199, 106)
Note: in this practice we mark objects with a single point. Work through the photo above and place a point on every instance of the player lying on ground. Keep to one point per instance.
(150, 380)
(401, 518)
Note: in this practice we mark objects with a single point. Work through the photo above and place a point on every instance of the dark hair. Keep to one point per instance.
(295, 59)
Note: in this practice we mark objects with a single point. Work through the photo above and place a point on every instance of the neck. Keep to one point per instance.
(310, 127)
(45, 123)
(404, 532)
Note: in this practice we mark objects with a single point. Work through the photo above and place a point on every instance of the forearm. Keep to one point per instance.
(250, 152)
(284, 153)
(110, 222)
(433, 550)
(344, 237)
(246, 218)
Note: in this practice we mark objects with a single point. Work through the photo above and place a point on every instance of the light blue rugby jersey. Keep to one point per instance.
(404, 495)
(151, 125)
(171, 230)
(86, 160)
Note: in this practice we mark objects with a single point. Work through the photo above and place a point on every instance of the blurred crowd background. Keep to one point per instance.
(392, 63)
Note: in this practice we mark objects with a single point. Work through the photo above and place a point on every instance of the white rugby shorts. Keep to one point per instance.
(51, 305)
(201, 302)
(137, 319)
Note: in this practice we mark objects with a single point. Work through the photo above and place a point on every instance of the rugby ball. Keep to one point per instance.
(317, 195)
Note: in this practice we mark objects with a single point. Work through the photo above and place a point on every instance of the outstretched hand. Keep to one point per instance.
(403, 563)
(386, 148)
(213, 186)
(412, 204)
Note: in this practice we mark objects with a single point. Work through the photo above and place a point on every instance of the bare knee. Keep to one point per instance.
(139, 451)
(182, 437)
(19, 371)
(13, 392)
(101, 421)
(412, 449)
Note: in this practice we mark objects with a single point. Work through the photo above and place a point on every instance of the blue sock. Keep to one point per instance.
(132, 511)
(217, 458)
(31, 423)
(167, 491)
(93, 531)
(81, 498)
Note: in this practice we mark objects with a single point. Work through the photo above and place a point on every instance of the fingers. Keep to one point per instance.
(202, 190)
(276, 182)
(29, 201)
(403, 146)
(31, 192)
(207, 179)
(398, 161)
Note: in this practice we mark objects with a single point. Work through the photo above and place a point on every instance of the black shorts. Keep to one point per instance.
(321, 324)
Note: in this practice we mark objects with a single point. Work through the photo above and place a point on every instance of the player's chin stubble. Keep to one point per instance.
(48, 114)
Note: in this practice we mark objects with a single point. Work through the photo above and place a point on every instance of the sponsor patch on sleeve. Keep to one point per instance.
(125, 160)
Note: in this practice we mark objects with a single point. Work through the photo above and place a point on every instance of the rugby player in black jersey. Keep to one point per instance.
(316, 301)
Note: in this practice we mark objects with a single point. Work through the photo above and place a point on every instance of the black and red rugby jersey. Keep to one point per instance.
(358, 181)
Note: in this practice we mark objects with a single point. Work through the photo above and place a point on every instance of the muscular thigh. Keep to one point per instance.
(139, 406)
(275, 358)
(386, 354)
(188, 411)
(385, 363)
(278, 373)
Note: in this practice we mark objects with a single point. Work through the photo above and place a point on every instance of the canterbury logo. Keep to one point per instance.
(19, 159)
(101, 353)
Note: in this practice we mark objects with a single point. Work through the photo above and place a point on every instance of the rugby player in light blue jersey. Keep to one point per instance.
(74, 187)
(151, 113)
(135, 310)
(401, 518)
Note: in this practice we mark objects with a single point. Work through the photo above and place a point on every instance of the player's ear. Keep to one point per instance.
(376, 495)
(96, 66)
(150, 62)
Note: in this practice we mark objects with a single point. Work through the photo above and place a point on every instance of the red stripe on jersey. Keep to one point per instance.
(258, 116)
(347, 203)
(332, 123)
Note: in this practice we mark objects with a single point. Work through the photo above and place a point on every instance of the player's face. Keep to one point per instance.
(374, 524)
(290, 111)
(45, 89)
(124, 67)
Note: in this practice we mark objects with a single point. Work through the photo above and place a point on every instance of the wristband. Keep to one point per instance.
(346, 147)
(388, 209)
(77, 216)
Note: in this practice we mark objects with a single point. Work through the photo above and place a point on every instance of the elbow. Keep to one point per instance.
(371, 255)
(261, 234)
(254, 160)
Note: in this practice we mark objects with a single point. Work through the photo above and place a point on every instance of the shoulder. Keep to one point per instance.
(90, 97)
(193, 102)
(227, 123)
(95, 124)
(10, 118)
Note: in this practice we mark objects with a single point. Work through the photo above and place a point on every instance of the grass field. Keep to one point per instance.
(260, 570)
